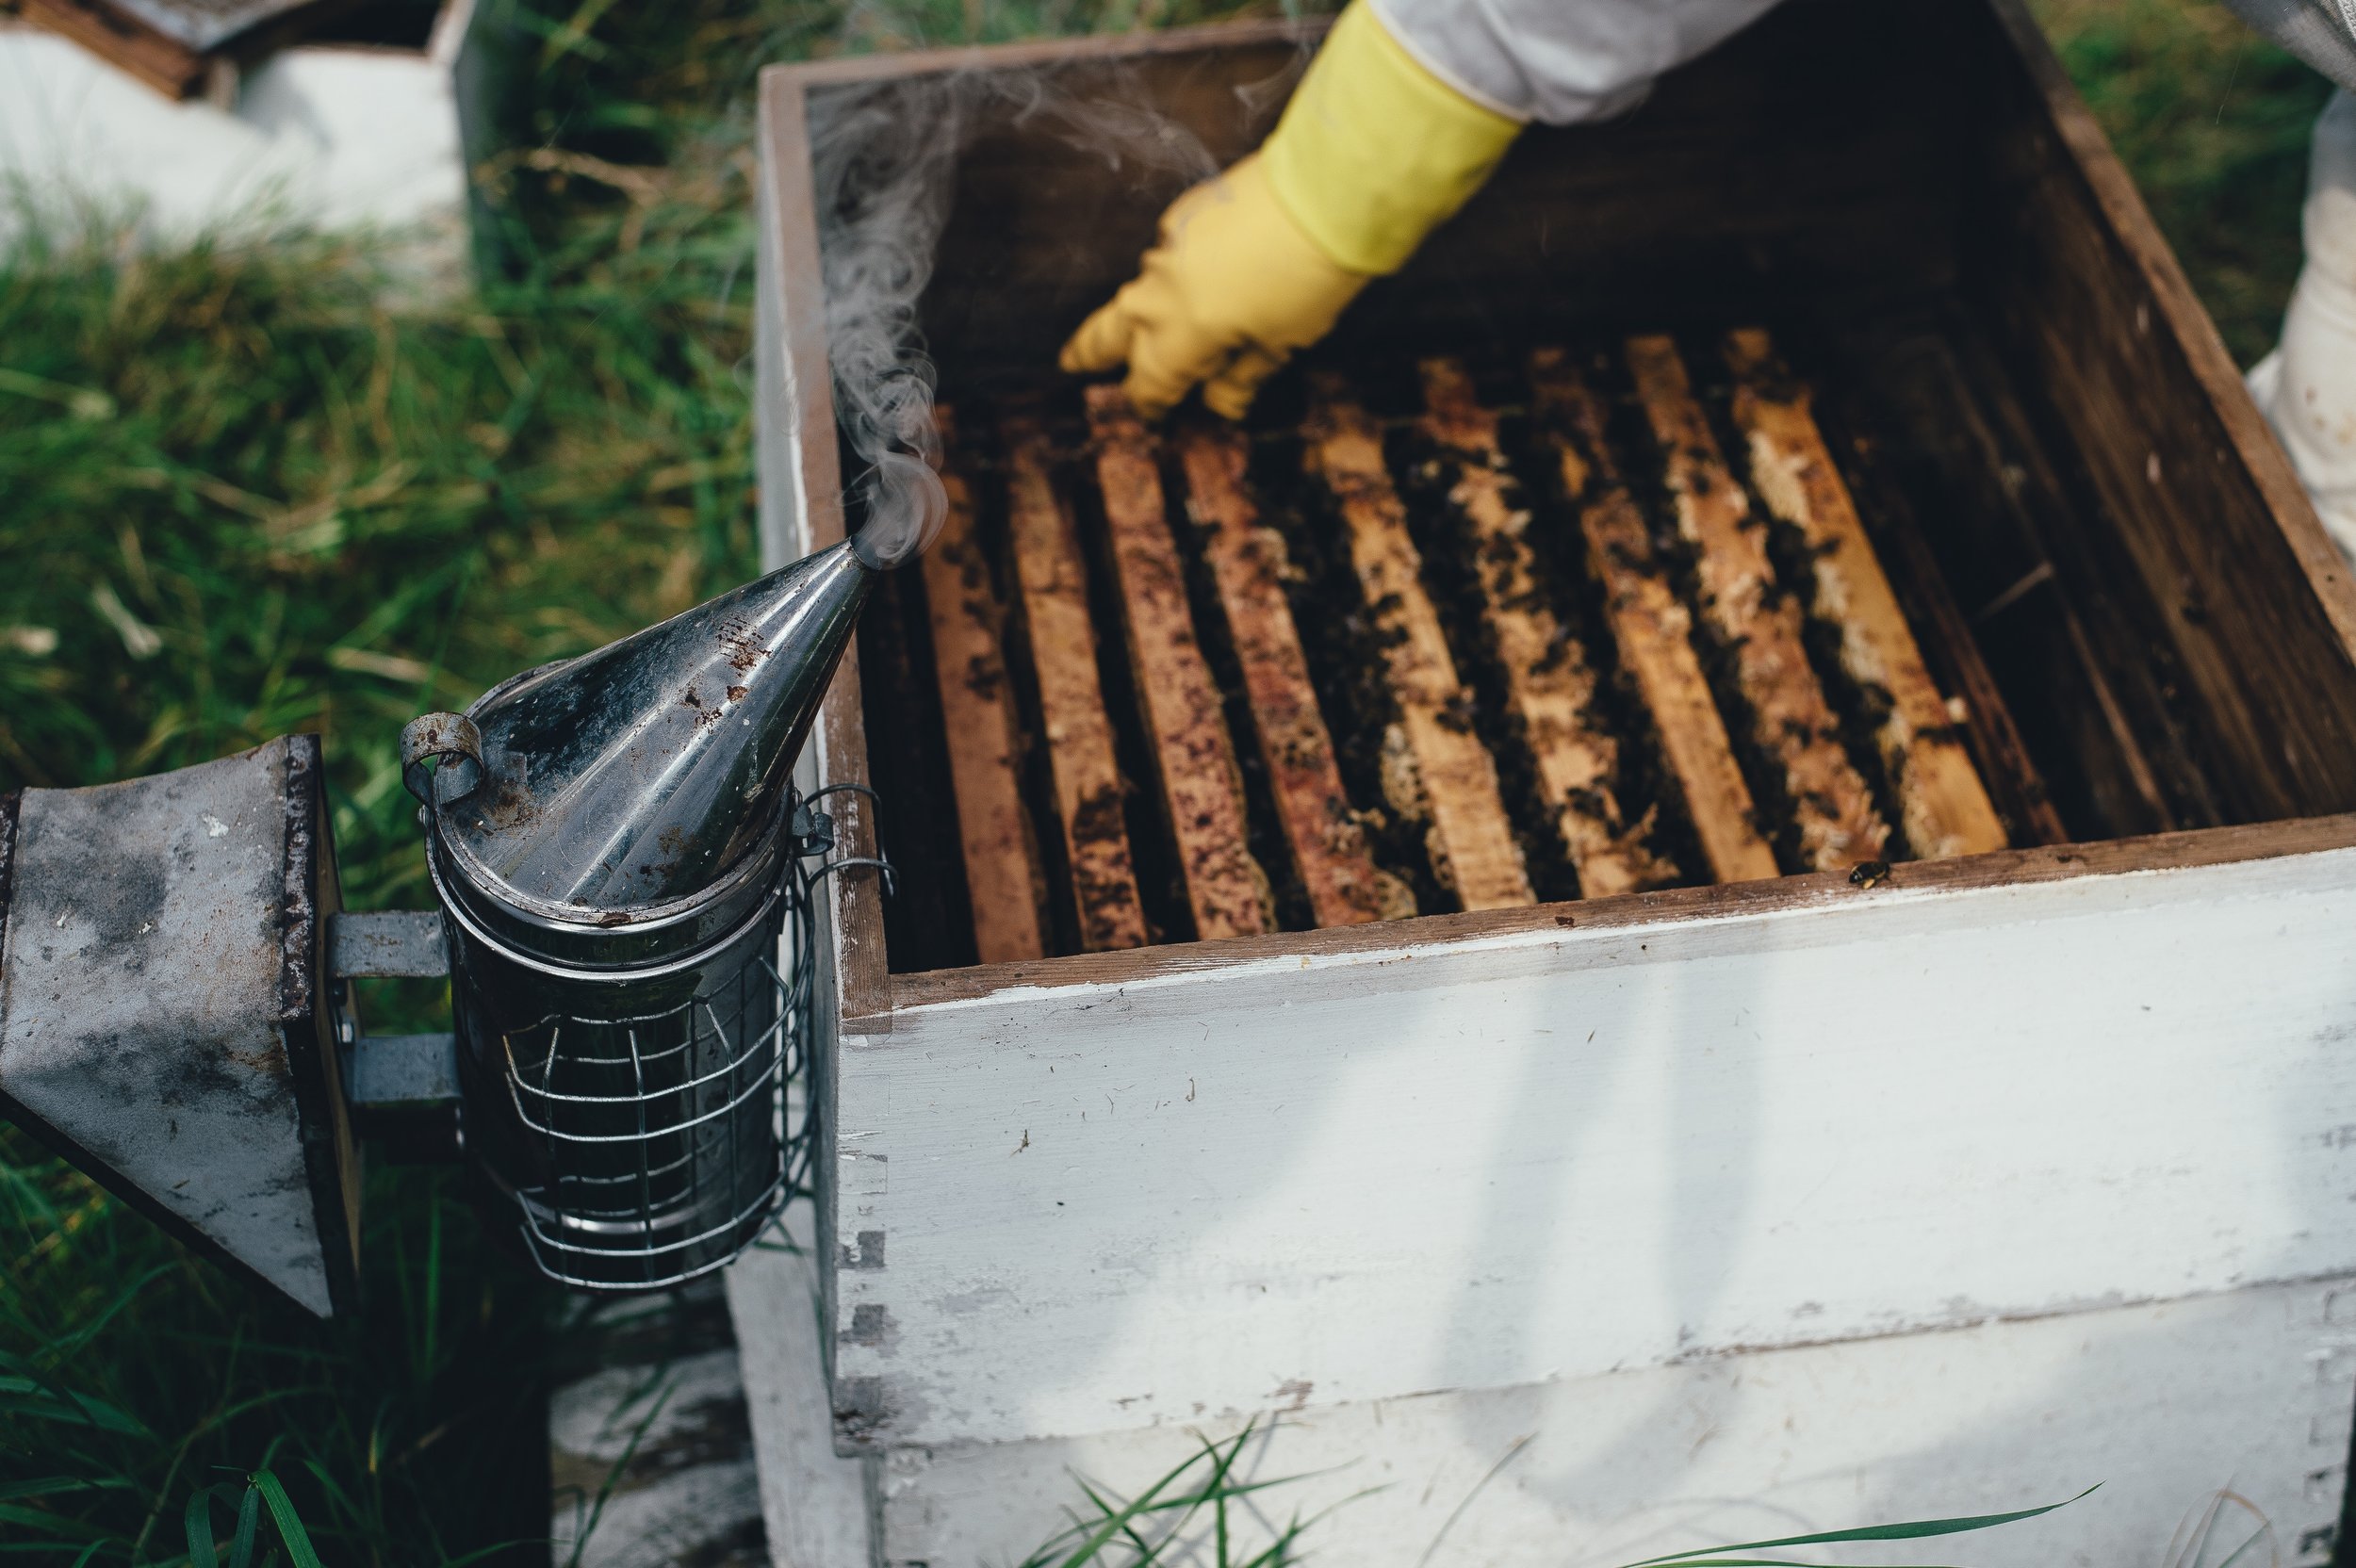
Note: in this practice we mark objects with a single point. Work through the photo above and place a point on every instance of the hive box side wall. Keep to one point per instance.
(2254, 602)
(2164, 1405)
(1757, 1122)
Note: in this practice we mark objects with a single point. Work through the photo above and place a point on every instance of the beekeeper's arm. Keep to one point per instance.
(1402, 115)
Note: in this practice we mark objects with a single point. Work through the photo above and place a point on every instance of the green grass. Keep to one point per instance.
(245, 496)
(2213, 121)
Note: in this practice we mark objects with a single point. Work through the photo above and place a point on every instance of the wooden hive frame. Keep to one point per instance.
(1279, 1132)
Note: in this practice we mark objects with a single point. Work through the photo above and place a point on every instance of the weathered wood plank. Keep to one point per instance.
(1052, 578)
(1329, 847)
(812, 1501)
(1944, 809)
(1766, 899)
(1549, 681)
(124, 41)
(2256, 604)
(1651, 626)
(1195, 758)
(801, 509)
(1438, 771)
(1758, 623)
(1002, 870)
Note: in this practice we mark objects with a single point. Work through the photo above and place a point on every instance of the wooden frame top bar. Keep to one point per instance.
(1329, 845)
(1718, 903)
(1441, 774)
(1200, 785)
(1651, 625)
(1053, 582)
(1002, 870)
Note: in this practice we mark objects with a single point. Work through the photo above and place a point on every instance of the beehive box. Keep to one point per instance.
(1810, 517)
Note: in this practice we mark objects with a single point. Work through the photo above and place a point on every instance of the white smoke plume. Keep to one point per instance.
(884, 166)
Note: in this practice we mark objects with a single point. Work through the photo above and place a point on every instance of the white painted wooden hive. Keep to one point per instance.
(1931, 1186)
(336, 133)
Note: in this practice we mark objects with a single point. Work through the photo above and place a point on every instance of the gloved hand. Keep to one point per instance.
(1231, 291)
(1372, 154)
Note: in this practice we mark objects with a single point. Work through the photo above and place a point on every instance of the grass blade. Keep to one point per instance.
(249, 1521)
(1916, 1529)
(282, 1512)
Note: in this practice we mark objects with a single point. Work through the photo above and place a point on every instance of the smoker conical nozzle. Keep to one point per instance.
(615, 787)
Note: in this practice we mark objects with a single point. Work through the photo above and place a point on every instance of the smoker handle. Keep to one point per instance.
(455, 746)
(387, 943)
(402, 1091)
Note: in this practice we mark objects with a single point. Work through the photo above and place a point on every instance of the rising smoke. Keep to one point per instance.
(884, 166)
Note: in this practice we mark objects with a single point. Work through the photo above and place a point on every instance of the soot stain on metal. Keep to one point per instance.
(741, 645)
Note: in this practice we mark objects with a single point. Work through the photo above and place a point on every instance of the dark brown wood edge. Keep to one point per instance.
(2207, 846)
(310, 892)
(854, 900)
(1107, 47)
(163, 63)
(2181, 313)
(10, 801)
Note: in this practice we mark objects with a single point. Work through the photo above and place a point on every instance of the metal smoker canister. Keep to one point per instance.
(610, 840)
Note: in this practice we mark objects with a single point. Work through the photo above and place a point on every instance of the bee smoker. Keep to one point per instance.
(615, 846)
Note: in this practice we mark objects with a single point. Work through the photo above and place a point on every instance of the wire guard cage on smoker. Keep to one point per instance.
(626, 877)
(654, 1126)
(658, 1137)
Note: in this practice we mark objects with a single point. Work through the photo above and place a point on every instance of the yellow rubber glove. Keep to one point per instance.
(1372, 154)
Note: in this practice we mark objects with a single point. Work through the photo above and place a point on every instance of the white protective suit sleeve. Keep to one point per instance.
(2308, 386)
(1560, 61)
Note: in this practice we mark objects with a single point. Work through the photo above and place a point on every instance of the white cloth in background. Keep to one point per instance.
(2307, 386)
(1560, 61)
